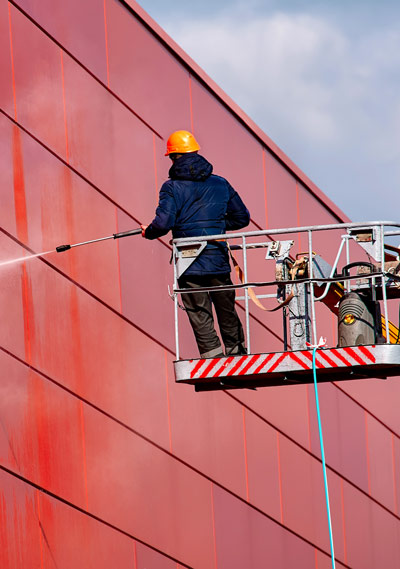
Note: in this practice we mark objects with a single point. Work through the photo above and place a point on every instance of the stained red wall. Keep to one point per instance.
(104, 461)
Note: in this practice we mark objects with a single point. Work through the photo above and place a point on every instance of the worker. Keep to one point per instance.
(195, 202)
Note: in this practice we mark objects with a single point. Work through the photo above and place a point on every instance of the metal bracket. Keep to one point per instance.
(369, 238)
(186, 254)
(321, 268)
(278, 250)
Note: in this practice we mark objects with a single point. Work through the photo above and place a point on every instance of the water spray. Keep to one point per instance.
(62, 248)
(26, 258)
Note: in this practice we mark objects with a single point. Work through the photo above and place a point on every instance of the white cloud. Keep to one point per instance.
(319, 90)
(271, 64)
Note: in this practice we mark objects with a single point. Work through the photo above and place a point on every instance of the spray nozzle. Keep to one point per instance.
(62, 248)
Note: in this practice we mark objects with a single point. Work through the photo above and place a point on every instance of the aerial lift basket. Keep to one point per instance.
(364, 353)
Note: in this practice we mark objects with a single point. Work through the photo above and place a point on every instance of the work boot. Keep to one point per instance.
(215, 353)
(238, 349)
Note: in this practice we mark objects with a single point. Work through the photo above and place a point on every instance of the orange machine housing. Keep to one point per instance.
(104, 460)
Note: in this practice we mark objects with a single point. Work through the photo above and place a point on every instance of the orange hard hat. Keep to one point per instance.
(181, 142)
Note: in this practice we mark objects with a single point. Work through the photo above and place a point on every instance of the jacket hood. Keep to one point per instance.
(192, 167)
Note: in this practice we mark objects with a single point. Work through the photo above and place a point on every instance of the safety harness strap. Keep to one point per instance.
(299, 266)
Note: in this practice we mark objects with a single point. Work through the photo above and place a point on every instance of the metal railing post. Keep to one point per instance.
(313, 318)
(246, 296)
(348, 282)
(384, 295)
(345, 244)
(176, 307)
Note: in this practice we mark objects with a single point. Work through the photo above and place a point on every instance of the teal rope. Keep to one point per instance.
(321, 441)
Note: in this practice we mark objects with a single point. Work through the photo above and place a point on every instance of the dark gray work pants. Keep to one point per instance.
(199, 310)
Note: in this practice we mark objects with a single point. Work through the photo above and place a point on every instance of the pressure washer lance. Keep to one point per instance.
(62, 248)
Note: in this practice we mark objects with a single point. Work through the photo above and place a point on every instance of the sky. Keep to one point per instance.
(320, 78)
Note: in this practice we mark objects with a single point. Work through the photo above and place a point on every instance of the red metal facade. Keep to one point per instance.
(104, 460)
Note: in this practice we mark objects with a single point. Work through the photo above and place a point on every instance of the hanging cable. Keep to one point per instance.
(321, 441)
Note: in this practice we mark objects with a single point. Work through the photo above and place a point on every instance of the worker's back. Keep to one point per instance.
(196, 202)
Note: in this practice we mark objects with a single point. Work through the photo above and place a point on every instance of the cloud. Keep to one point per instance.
(327, 94)
(300, 67)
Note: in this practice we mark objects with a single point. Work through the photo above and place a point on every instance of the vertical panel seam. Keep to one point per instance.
(309, 417)
(106, 39)
(83, 442)
(334, 329)
(26, 305)
(265, 185)
(394, 477)
(191, 103)
(64, 108)
(343, 520)
(213, 526)
(298, 212)
(155, 162)
(12, 61)
(168, 401)
(367, 450)
(246, 465)
(316, 557)
(279, 475)
(119, 262)
(40, 531)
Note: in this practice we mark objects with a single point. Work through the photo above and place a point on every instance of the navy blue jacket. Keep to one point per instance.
(195, 202)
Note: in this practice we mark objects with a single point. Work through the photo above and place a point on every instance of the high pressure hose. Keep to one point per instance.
(321, 441)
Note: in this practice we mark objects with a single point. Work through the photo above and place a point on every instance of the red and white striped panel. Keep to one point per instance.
(281, 362)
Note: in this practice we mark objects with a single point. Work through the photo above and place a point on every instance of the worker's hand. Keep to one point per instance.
(144, 227)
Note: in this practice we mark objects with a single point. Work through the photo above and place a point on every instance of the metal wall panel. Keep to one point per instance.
(381, 465)
(311, 212)
(268, 334)
(303, 498)
(283, 204)
(108, 144)
(372, 533)
(70, 538)
(6, 84)
(344, 432)
(38, 83)
(152, 495)
(263, 465)
(13, 281)
(86, 360)
(264, 337)
(20, 545)
(229, 147)
(158, 88)
(41, 432)
(146, 557)
(286, 409)
(62, 208)
(380, 398)
(246, 538)
(208, 433)
(7, 211)
(322, 561)
(144, 284)
(78, 26)
(396, 472)
(89, 408)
